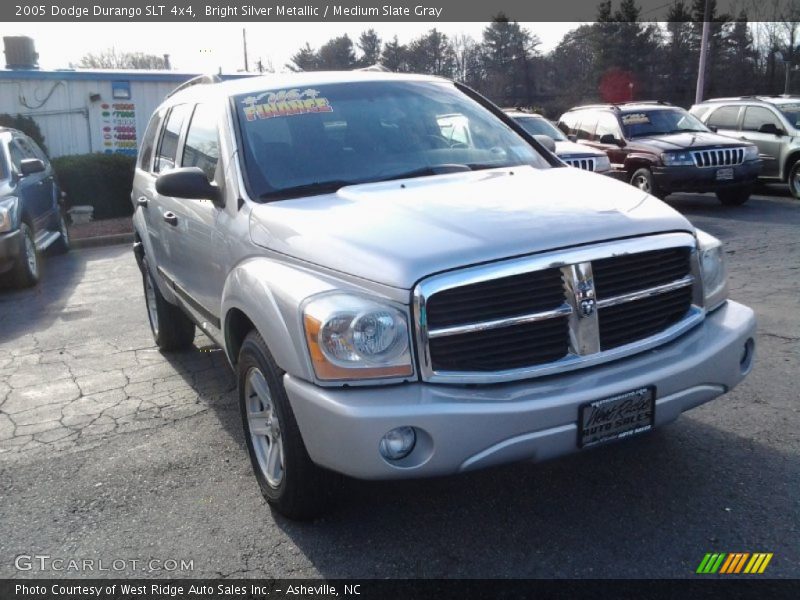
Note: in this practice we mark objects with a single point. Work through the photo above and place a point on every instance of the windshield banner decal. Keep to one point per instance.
(284, 103)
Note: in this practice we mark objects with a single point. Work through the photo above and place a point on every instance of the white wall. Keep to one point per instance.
(70, 122)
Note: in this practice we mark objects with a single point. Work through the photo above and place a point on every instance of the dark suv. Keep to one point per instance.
(31, 219)
(662, 149)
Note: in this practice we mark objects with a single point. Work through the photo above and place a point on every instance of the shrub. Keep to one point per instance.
(103, 181)
(26, 125)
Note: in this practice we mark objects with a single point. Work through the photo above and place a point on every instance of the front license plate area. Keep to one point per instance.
(724, 174)
(617, 417)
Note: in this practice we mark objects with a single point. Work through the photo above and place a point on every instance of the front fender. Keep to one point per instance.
(270, 293)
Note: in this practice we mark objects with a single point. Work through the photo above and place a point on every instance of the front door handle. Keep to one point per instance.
(142, 201)
(171, 218)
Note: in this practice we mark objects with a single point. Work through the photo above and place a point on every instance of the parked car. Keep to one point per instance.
(31, 216)
(663, 149)
(397, 303)
(770, 122)
(575, 155)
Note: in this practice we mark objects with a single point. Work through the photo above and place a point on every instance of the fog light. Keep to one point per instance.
(398, 443)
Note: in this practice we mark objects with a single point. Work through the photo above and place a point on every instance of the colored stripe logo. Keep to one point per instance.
(734, 563)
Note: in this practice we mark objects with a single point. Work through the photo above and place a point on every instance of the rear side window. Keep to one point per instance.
(168, 146)
(756, 116)
(149, 141)
(725, 117)
(585, 129)
(568, 123)
(607, 125)
(202, 143)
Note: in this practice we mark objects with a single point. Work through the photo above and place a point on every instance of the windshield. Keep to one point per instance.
(303, 141)
(791, 112)
(659, 122)
(540, 126)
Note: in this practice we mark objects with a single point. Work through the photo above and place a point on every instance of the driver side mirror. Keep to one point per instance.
(187, 182)
(29, 166)
(572, 137)
(770, 128)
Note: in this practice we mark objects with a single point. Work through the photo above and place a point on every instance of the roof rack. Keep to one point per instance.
(377, 67)
(606, 105)
(199, 80)
(661, 102)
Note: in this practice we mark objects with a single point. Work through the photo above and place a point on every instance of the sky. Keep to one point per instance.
(207, 47)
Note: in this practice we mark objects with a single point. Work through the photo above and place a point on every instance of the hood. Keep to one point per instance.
(688, 141)
(398, 232)
(571, 149)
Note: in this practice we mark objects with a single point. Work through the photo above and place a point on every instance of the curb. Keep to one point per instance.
(102, 240)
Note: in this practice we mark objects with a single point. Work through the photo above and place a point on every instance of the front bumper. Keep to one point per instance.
(9, 250)
(462, 428)
(704, 179)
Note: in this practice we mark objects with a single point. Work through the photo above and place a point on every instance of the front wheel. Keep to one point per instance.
(794, 180)
(26, 269)
(289, 480)
(172, 329)
(736, 196)
(643, 179)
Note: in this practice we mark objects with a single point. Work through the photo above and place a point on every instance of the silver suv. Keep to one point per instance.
(398, 300)
(770, 122)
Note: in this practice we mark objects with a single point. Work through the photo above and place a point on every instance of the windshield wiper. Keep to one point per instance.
(424, 171)
(307, 189)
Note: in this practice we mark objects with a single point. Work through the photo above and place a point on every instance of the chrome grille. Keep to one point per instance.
(587, 164)
(722, 157)
(558, 311)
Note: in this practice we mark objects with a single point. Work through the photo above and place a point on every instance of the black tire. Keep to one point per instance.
(304, 490)
(643, 179)
(735, 196)
(171, 328)
(26, 270)
(794, 180)
(61, 245)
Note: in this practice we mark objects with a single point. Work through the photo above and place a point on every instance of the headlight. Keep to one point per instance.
(677, 159)
(712, 270)
(353, 337)
(8, 213)
(601, 163)
(750, 152)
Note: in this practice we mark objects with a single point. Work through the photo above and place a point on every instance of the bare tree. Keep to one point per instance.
(111, 59)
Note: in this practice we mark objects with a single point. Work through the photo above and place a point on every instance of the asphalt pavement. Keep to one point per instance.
(111, 451)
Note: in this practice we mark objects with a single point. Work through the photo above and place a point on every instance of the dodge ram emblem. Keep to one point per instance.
(587, 307)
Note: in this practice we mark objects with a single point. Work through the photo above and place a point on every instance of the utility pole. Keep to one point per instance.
(701, 72)
(244, 47)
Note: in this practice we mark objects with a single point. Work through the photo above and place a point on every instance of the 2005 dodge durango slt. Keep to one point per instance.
(396, 303)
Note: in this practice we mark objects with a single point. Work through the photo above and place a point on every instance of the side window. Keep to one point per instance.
(149, 141)
(725, 117)
(16, 154)
(32, 149)
(202, 142)
(588, 124)
(170, 135)
(567, 123)
(756, 116)
(607, 125)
